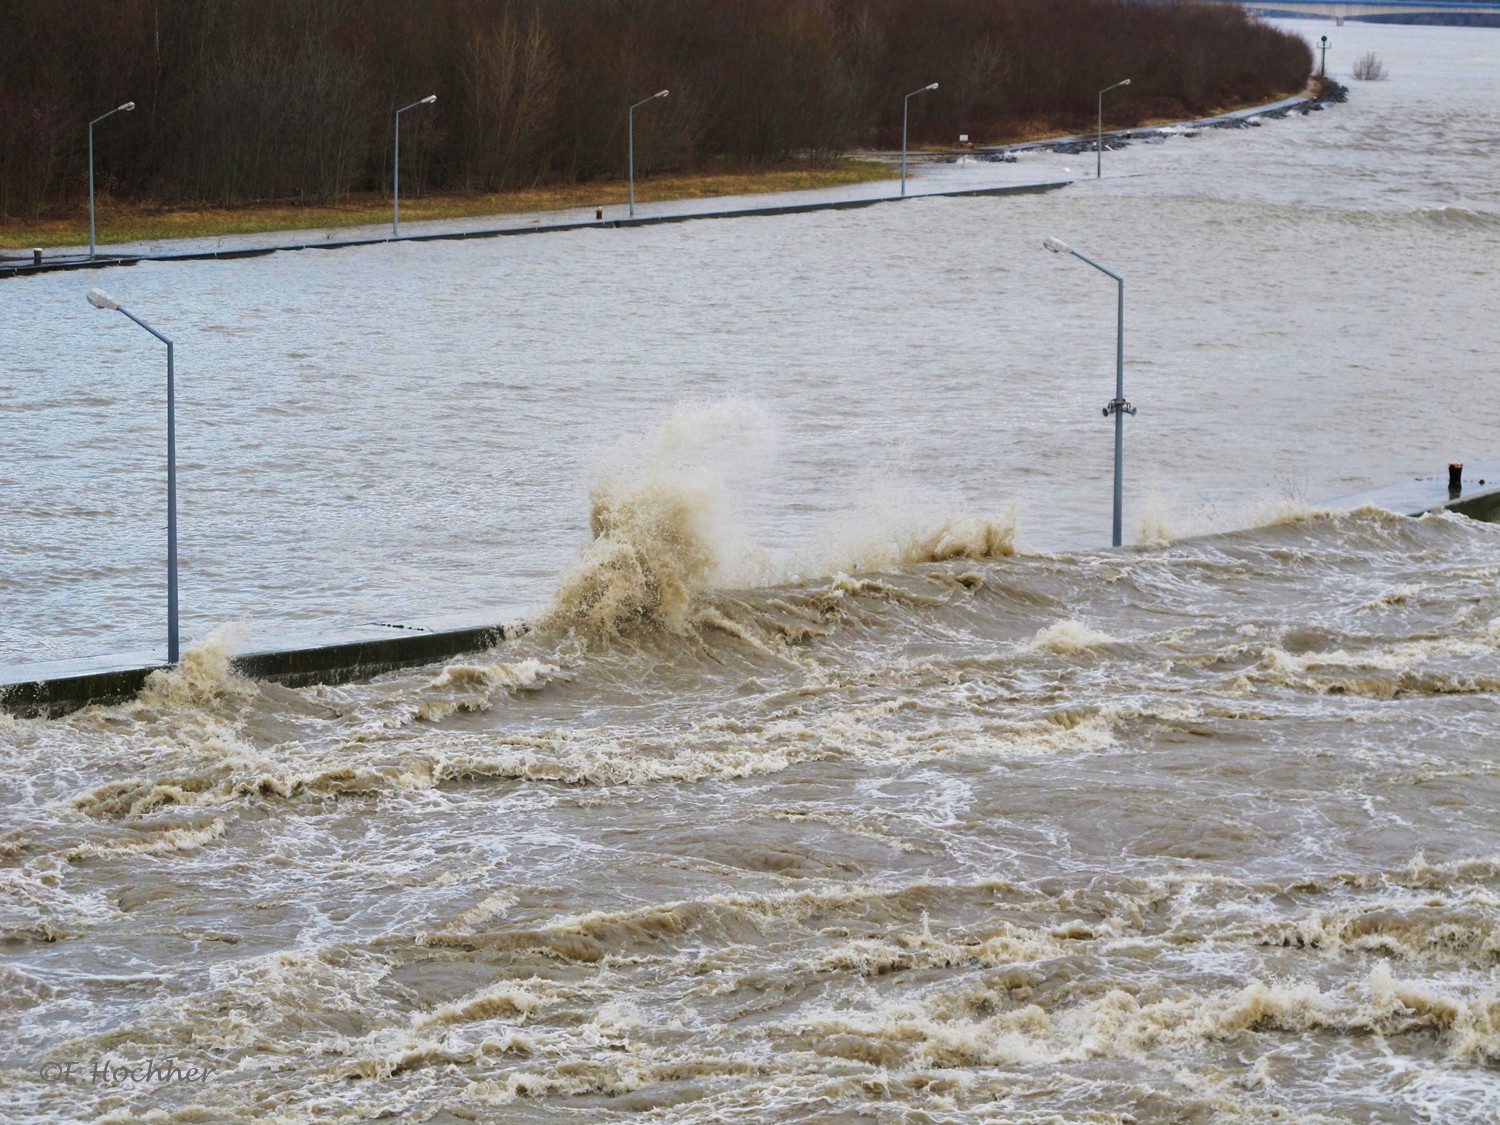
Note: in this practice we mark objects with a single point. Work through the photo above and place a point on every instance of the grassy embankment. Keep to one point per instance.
(122, 222)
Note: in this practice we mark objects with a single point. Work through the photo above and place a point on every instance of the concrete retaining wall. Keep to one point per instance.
(341, 662)
(1482, 506)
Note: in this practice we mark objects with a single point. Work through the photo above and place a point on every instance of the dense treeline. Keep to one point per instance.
(257, 99)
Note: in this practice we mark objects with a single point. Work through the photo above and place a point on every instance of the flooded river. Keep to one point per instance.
(843, 777)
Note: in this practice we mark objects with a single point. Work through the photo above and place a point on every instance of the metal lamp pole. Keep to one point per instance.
(1099, 134)
(127, 107)
(102, 300)
(630, 130)
(396, 211)
(1323, 62)
(905, 107)
(1117, 406)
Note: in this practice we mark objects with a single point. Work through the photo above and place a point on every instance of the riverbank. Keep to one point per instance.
(119, 223)
(858, 181)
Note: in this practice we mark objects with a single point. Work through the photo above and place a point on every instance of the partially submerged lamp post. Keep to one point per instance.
(102, 300)
(1099, 141)
(126, 108)
(396, 212)
(1323, 63)
(905, 107)
(630, 130)
(1117, 406)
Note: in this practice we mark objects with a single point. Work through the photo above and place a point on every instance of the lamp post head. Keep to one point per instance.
(934, 86)
(128, 106)
(102, 300)
(1057, 246)
(428, 100)
(1125, 83)
(661, 93)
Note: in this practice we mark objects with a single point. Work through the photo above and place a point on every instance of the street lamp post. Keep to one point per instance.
(905, 106)
(1117, 406)
(396, 179)
(630, 130)
(1323, 62)
(102, 300)
(1099, 135)
(126, 108)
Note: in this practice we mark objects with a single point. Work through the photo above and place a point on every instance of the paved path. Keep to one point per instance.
(979, 178)
(1282, 107)
(961, 172)
(1478, 498)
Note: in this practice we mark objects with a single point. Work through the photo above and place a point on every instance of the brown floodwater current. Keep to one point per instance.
(1195, 832)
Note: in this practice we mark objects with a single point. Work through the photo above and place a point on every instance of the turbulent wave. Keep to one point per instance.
(1069, 638)
(1162, 523)
(203, 679)
(475, 687)
(1122, 1023)
(662, 523)
(648, 561)
(663, 534)
(1464, 218)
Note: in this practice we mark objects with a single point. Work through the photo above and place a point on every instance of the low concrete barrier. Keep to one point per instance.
(1482, 506)
(1477, 496)
(55, 689)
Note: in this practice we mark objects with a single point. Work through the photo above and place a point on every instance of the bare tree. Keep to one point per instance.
(31, 135)
(511, 83)
(1369, 68)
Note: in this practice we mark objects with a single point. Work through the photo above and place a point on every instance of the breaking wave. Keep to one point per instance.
(204, 679)
(665, 533)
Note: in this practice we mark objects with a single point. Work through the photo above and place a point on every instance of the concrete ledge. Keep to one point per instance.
(1482, 506)
(1479, 498)
(63, 264)
(55, 689)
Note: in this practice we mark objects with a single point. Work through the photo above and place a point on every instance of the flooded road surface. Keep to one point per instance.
(843, 777)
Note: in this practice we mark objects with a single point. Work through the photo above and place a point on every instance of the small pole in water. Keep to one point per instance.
(599, 213)
(1323, 64)
(1455, 479)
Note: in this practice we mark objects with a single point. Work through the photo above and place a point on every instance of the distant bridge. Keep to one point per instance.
(1340, 10)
